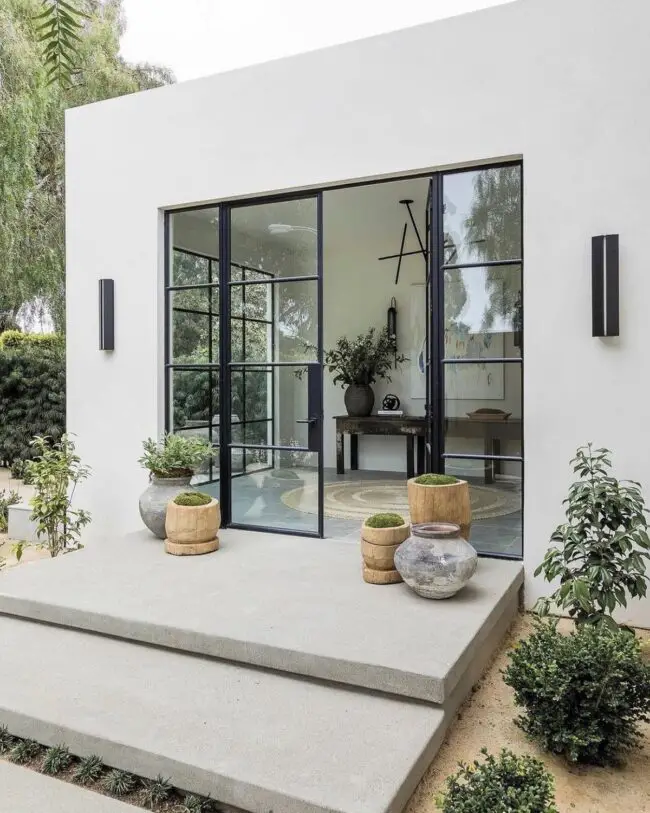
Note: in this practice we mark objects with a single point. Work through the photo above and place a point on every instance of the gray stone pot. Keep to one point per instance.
(359, 400)
(153, 501)
(435, 560)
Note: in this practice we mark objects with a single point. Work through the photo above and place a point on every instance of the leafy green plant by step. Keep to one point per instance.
(363, 360)
(118, 783)
(196, 804)
(7, 740)
(506, 783)
(56, 472)
(6, 499)
(56, 759)
(193, 498)
(436, 480)
(175, 456)
(24, 751)
(584, 695)
(155, 791)
(89, 770)
(601, 552)
(385, 521)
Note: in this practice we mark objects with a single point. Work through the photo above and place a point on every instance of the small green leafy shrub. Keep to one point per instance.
(32, 391)
(155, 791)
(504, 784)
(384, 521)
(6, 740)
(583, 694)
(23, 751)
(6, 499)
(56, 759)
(436, 480)
(602, 550)
(196, 804)
(119, 783)
(89, 770)
(193, 498)
(174, 455)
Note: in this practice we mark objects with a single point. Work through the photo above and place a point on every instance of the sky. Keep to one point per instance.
(199, 37)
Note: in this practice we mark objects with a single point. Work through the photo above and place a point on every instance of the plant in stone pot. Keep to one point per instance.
(440, 498)
(192, 524)
(381, 535)
(358, 363)
(171, 462)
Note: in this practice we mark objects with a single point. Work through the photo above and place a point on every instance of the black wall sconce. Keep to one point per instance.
(604, 285)
(391, 324)
(106, 314)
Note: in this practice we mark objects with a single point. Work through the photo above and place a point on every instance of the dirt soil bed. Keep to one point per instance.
(486, 719)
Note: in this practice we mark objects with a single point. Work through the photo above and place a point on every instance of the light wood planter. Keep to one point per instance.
(378, 546)
(448, 503)
(192, 529)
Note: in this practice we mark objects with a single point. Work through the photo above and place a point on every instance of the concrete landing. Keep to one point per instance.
(254, 739)
(25, 791)
(282, 602)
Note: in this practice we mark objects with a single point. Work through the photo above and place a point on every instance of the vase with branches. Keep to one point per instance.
(358, 363)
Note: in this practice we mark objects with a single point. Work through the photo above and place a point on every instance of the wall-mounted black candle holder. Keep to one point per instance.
(604, 285)
(106, 314)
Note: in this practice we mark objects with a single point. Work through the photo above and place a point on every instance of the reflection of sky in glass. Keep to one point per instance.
(459, 194)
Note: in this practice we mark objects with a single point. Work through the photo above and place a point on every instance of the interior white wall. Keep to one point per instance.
(508, 81)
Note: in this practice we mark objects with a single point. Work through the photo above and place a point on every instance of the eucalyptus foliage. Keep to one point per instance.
(506, 783)
(601, 552)
(60, 25)
(56, 472)
(32, 252)
(584, 695)
(362, 360)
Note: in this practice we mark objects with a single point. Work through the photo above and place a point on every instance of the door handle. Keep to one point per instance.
(310, 421)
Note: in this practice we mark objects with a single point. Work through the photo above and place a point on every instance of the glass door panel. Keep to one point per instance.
(274, 371)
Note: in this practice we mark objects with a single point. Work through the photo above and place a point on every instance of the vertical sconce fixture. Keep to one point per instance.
(604, 285)
(391, 324)
(106, 314)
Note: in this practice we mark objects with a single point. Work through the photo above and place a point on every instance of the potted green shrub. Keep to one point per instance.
(381, 535)
(171, 462)
(358, 363)
(440, 498)
(192, 524)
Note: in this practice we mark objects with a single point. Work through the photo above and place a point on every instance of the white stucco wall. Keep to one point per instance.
(563, 83)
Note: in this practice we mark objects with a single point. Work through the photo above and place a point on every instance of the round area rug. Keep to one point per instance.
(358, 499)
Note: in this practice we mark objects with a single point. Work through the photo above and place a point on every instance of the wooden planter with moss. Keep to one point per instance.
(192, 524)
(440, 498)
(381, 535)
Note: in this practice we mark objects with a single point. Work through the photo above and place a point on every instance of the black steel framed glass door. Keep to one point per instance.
(271, 374)
(474, 365)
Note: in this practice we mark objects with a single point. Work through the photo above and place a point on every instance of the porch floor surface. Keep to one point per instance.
(267, 674)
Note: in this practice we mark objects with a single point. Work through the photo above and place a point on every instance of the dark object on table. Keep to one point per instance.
(488, 414)
(390, 402)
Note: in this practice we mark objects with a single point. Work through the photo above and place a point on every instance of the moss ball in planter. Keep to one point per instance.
(385, 521)
(192, 498)
(436, 480)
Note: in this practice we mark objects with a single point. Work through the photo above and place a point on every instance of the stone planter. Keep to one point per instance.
(435, 561)
(359, 400)
(153, 501)
(192, 529)
(378, 546)
(441, 503)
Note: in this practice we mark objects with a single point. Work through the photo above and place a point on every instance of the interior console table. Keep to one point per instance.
(411, 426)
(414, 426)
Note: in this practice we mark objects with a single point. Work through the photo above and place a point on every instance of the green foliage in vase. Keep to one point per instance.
(601, 552)
(56, 759)
(193, 498)
(584, 695)
(55, 473)
(175, 455)
(89, 770)
(118, 782)
(32, 244)
(436, 480)
(384, 521)
(363, 360)
(32, 393)
(507, 783)
(6, 499)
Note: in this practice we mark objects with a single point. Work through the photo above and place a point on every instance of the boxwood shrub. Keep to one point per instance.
(32, 392)
(583, 694)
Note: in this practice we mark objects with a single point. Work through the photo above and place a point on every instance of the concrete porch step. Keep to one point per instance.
(281, 602)
(251, 738)
(26, 791)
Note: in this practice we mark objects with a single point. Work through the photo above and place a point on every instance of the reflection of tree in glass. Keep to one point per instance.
(493, 228)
